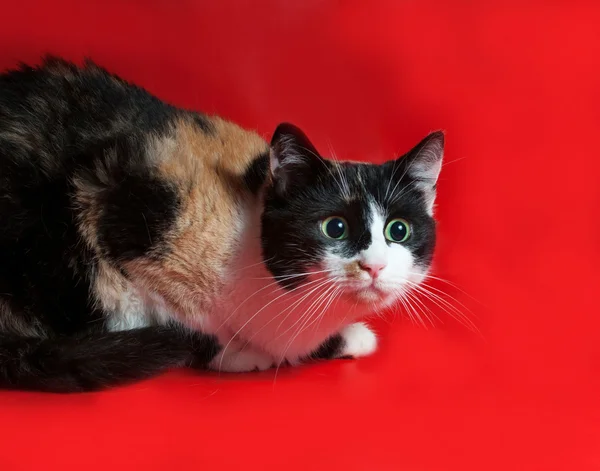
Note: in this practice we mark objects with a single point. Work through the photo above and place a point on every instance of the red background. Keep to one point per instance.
(516, 87)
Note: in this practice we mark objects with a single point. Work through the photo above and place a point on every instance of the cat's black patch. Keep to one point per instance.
(58, 123)
(44, 267)
(331, 348)
(95, 360)
(256, 173)
(204, 123)
(136, 217)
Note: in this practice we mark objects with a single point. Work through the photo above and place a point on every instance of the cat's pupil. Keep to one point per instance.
(335, 228)
(398, 230)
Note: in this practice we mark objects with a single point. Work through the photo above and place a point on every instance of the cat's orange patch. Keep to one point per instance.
(208, 169)
(353, 270)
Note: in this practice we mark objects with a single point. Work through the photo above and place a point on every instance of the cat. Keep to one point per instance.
(136, 236)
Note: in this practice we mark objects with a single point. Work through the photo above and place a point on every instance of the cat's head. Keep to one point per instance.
(365, 229)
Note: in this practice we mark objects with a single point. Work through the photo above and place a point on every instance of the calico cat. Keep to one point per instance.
(137, 237)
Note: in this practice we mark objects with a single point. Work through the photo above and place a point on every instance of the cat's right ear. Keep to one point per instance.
(294, 160)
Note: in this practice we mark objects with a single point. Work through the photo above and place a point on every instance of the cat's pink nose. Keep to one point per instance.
(372, 268)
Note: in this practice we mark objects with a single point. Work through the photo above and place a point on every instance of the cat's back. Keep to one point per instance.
(53, 113)
(96, 172)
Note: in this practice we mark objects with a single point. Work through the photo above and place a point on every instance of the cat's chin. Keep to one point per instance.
(371, 296)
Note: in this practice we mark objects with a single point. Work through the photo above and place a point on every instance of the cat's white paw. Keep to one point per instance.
(235, 360)
(359, 340)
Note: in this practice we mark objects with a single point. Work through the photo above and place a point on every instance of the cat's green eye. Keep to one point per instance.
(335, 227)
(397, 230)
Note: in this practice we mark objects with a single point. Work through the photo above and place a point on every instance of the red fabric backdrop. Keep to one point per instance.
(516, 87)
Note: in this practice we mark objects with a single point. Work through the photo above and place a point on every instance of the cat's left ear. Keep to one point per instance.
(294, 160)
(424, 163)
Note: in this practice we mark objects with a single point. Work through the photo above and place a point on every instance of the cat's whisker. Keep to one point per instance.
(415, 312)
(203, 264)
(307, 316)
(295, 307)
(320, 159)
(297, 304)
(437, 290)
(307, 310)
(291, 306)
(445, 164)
(406, 309)
(334, 296)
(270, 285)
(447, 307)
(442, 280)
(423, 289)
(403, 191)
(387, 190)
(313, 308)
(395, 168)
(400, 180)
(294, 275)
(273, 283)
(342, 175)
(261, 262)
(422, 307)
(248, 322)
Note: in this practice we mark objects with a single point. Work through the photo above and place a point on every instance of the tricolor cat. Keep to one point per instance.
(137, 237)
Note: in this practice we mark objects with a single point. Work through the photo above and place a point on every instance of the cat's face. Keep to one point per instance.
(365, 231)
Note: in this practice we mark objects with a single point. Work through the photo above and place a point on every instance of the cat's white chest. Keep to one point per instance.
(287, 323)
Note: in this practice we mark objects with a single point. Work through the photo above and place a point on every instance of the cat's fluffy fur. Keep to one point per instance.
(135, 236)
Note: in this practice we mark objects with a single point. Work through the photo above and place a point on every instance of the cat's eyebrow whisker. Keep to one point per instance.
(339, 182)
(453, 161)
(403, 191)
(342, 175)
(402, 177)
(387, 190)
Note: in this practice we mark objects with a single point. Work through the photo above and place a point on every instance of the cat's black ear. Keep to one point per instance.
(294, 160)
(424, 163)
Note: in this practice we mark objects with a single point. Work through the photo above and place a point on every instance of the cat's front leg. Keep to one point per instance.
(238, 357)
(353, 341)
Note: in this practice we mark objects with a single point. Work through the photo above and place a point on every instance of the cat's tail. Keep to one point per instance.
(94, 361)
